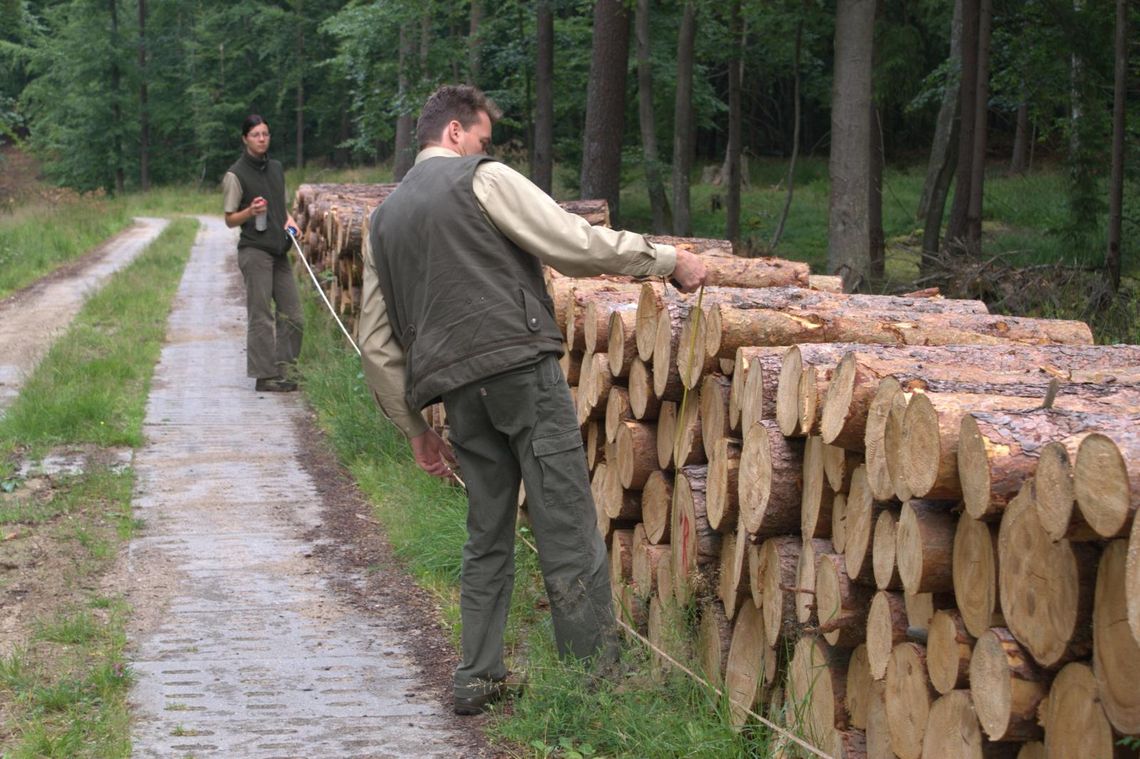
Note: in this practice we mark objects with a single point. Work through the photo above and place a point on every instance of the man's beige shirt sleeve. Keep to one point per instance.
(565, 241)
(380, 354)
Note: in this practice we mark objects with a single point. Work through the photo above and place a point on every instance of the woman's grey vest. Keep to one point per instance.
(464, 301)
(265, 178)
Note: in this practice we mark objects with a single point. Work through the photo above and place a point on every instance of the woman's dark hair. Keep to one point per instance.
(250, 122)
(460, 102)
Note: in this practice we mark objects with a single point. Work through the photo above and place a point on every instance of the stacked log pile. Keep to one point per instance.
(906, 525)
(904, 522)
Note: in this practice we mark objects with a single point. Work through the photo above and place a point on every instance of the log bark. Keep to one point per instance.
(855, 381)
(1007, 687)
(768, 481)
(998, 450)
(976, 573)
(656, 505)
(695, 545)
(949, 647)
(778, 558)
(747, 657)
(723, 494)
(886, 627)
(816, 496)
(1073, 717)
(1046, 588)
(1116, 654)
(840, 603)
(908, 699)
(754, 376)
(924, 546)
(884, 551)
(1106, 477)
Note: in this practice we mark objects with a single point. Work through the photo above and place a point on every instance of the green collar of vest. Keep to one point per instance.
(258, 164)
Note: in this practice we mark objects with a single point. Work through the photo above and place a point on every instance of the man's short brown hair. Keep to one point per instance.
(458, 102)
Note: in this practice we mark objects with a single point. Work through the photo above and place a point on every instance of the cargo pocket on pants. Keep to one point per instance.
(565, 481)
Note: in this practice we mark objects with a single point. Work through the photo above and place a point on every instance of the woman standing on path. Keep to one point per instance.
(253, 196)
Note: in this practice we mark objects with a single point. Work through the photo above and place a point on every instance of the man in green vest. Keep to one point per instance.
(454, 307)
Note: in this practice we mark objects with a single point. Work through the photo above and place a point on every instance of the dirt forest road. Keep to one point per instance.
(32, 318)
(256, 632)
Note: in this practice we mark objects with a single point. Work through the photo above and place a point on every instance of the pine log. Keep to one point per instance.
(643, 402)
(920, 609)
(715, 389)
(858, 687)
(953, 730)
(931, 426)
(692, 361)
(636, 447)
(633, 608)
(596, 317)
(695, 545)
(665, 577)
(579, 293)
(755, 374)
(998, 450)
(1116, 654)
(1046, 587)
(595, 444)
(1074, 718)
(723, 495)
(816, 496)
(1057, 500)
(665, 634)
(617, 411)
(740, 327)
(621, 558)
(1007, 687)
(747, 656)
(948, 650)
(763, 272)
(1031, 750)
(886, 627)
(621, 344)
(855, 380)
(708, 248)
(827, 283)
(777, 559)
(874, 442)
(839, 465)
(839, 522)
(688, 446)
(666, 379)
(796, 359)
(862, 515)
(656, 505)
(817, 679)
(650, 302)
(924, 546)
(714, 637)
(732, 580)
(620, 504)
(893, 444)
(790, 297)
(666, 434)
(884, 551)
(840, 603)
(811, 549)
(646, 557)
(768, 481)
(976, 573)
(571, 365)
(1106, 477)
(908, 699)
(1132, 580)
(597, 490)
(878, 732)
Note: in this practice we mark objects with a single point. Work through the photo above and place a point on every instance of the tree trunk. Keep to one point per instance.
(474, 42)
(875, 199)
(848, 239)
(796, 105)
(144, 105)
(735, 128)
(542, 161)
(967, 98)
(683, 132)
(116, 103)
(1116, 183)
(1019, 162)
(942, 149)
(405, 152)
(605, 105)
(981, 110)
(662, 215)
(299, 94)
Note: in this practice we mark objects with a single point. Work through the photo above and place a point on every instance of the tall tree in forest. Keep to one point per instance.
(876, 237)
(605, 105)
(943, 149)
(405, 150)
(796, 118)
(474, 41)
(542, 153)
(967, 101)
(144, 106)
(683, 131)
(299, 66)
(848, 233)
(1112, 262)
(978, 150)
(116, 97)
(661, 215)
(735, 127)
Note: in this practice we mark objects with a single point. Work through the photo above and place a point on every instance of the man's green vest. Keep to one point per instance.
(465, 302)
(264, 178)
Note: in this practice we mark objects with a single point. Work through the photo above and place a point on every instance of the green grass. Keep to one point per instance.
(63, 690)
